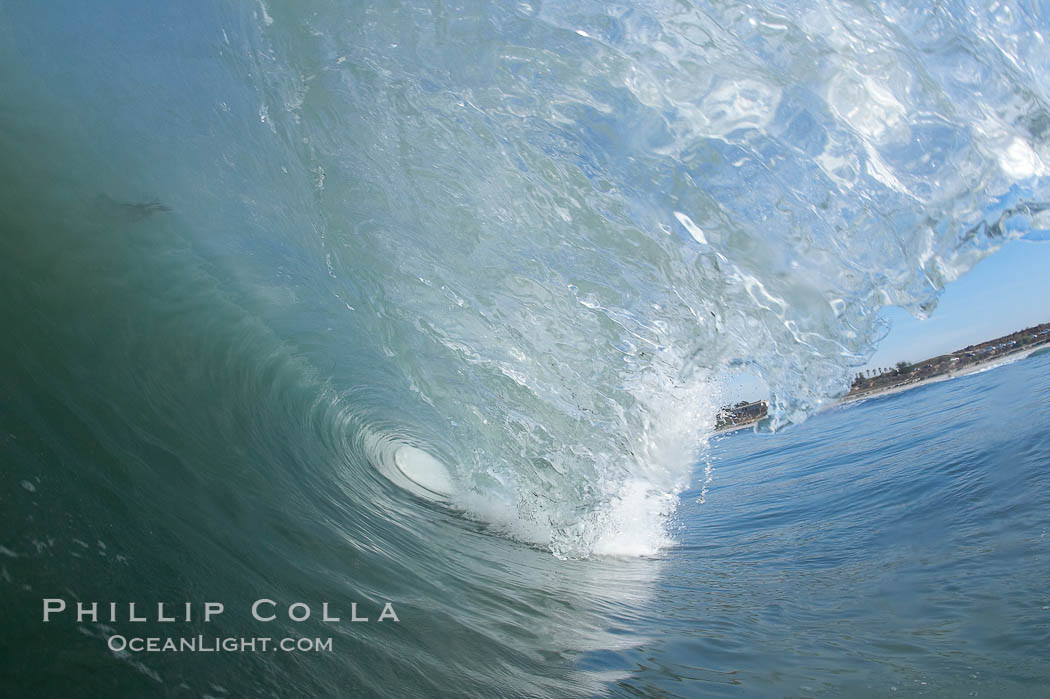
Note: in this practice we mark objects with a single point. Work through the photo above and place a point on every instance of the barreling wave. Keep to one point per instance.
(526, 237)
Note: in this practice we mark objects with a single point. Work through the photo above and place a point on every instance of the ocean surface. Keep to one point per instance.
(262, 263)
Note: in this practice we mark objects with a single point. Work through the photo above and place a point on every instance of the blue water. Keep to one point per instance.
(900, 546)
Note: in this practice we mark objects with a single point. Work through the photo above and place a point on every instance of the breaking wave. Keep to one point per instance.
(527, 237)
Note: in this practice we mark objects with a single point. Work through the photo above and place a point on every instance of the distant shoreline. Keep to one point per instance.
(992, 354)
(965, 370)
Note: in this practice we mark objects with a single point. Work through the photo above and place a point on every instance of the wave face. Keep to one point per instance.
(523, 237)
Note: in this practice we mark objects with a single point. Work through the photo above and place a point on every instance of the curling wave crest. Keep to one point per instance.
(526, 237)
(558, 221)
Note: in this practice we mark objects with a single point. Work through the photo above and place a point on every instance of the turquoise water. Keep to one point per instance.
(254, 254)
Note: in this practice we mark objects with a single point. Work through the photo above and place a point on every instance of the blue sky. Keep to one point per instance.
(1006, 291)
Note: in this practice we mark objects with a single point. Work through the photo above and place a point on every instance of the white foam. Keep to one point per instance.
(636, 524)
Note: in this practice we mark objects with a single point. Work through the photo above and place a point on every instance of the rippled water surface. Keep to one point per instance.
(901, 545)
